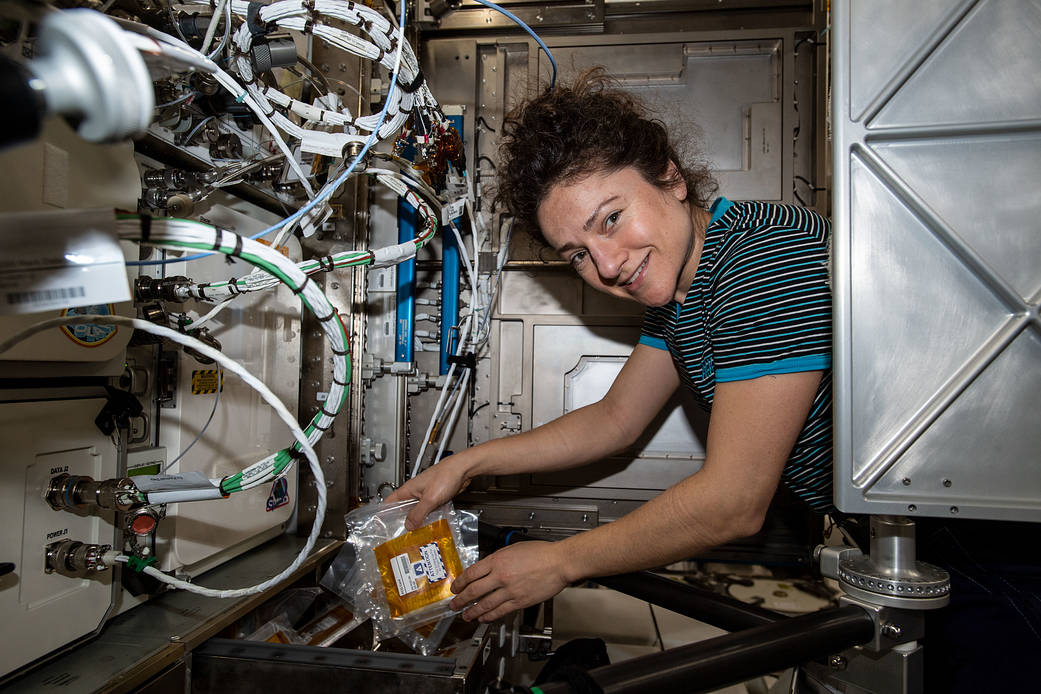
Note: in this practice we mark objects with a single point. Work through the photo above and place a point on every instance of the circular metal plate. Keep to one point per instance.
(926, 584)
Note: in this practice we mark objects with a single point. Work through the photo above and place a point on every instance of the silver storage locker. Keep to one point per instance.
(937, 251)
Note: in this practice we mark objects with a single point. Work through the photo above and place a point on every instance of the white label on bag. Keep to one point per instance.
(62, 259)
(433, 565)
(401, 566)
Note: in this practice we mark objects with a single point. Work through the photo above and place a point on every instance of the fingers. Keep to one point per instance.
(419, 513)
(467, 588)
(491, 607)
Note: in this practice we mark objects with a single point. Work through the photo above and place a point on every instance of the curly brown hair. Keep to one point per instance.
(569, 132)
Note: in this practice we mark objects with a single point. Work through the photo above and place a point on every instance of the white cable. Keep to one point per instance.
(439, 408)
(213, 312)
(211, 30)
(251, 380)
(446, 433)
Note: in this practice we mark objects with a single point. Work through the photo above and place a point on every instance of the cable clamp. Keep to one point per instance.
(412, 86)
(139, 564)
(468, 360)
(257, 27)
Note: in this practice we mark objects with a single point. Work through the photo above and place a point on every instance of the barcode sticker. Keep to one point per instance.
(37, 296)
(60, 259)
(401, 565)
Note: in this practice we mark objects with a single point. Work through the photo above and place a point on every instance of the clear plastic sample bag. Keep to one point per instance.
(403, 579)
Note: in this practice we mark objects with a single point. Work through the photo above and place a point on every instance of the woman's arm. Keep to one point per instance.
(643, 386)
(753, 426)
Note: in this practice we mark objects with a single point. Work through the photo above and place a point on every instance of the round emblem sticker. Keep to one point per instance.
(86, 334)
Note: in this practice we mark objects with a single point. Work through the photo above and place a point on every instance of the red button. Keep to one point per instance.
(143, 525)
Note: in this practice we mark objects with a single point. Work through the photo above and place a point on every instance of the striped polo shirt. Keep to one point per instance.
(760, 304)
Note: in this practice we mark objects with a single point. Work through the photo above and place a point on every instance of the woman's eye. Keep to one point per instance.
(612, 219)
(577, 258)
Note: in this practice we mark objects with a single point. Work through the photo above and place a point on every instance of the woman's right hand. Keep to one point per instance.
(433, 487)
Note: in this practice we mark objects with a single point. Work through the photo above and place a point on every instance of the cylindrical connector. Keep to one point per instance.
(173, 289)
(73, 492)
(75, 559)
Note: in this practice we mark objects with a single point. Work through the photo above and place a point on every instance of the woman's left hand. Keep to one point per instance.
(513, 578)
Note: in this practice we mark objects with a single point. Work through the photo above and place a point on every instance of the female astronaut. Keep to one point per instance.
(738, 311)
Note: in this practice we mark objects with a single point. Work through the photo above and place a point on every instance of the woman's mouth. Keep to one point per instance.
(636, 275)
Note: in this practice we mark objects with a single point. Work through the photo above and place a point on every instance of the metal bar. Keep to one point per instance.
(718, 610)
(709, 665)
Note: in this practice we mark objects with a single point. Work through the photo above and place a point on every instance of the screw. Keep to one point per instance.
(947, 483)
(585, 517)
(837, 662)
(531, 516)
(891, 630)
(912, 508)
(954, 510)
(907, 481)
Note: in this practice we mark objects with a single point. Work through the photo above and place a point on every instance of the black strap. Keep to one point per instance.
(303, 286)
(216, 240)
(468, 360)
(237, 251)
(322, 263)
(413, 85)
(253, 21)
(340, 383)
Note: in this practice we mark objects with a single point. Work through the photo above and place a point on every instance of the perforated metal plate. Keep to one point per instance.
(937, 249)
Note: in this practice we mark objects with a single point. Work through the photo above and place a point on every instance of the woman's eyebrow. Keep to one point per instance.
(596, 212)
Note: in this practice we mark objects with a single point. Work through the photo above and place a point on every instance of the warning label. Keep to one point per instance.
(205, 381)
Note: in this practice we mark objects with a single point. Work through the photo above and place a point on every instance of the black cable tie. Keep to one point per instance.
(237, 251)
(379, 58)
(217, 240)
(468, 360)
(256, 26)
(302, 287)
(308, 25)
(341, 353)
(342, 384)
(322, 263)
(350, 6)
(309, 5)
(232, 286)
(270, 113)
(295, 454)
(322, 429)
(202, 291)
(326, 412)
(327, 318)
(146, 227)
(415, 84)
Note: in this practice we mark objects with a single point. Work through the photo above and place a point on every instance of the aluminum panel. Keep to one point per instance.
(937, 254)
(983, 71)
(896, 24)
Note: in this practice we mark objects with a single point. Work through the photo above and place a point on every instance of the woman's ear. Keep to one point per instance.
(674, 181)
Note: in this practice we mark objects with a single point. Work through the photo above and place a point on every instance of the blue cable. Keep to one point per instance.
(325, 192)
(528, 29)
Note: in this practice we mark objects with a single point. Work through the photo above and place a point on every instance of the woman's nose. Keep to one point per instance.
(608, 257)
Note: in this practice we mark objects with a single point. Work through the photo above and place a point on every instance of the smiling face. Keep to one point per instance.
(624, 235)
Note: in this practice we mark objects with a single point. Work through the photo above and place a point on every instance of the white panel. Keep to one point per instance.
(40, 612)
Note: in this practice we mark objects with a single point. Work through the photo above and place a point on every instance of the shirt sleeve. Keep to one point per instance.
(652, 333)
(771, 306)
